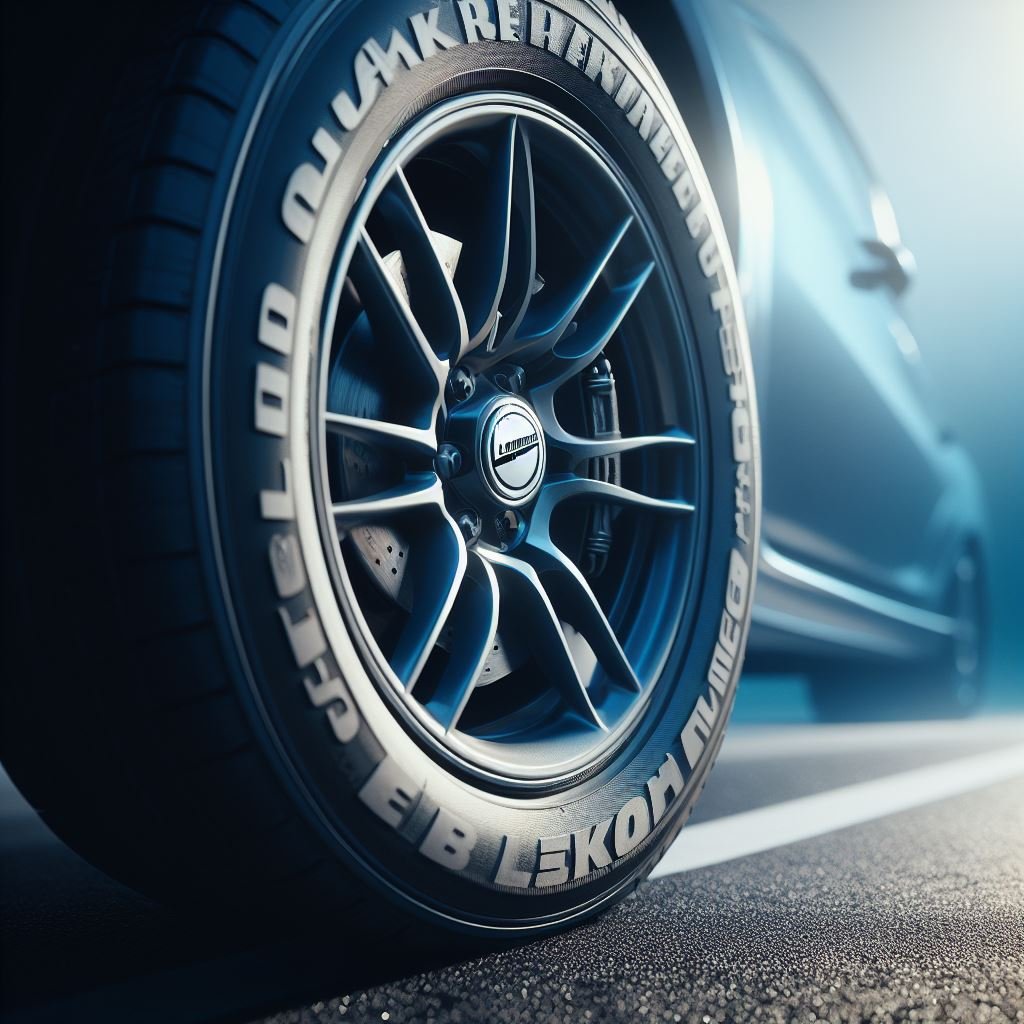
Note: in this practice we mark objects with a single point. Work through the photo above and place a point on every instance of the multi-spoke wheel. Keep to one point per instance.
(492, 329)
(417, 463)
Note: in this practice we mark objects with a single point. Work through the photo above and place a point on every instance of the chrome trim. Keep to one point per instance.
(876, 604)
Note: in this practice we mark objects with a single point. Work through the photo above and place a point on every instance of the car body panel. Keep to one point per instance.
(867, 502)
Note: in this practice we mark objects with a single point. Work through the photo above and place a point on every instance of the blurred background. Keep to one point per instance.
(934, 93)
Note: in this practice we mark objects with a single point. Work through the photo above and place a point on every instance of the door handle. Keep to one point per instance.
(895, 267)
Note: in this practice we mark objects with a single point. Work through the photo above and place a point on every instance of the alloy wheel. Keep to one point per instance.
(508, 434)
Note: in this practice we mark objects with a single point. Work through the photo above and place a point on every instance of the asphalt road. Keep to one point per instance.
(829, 873)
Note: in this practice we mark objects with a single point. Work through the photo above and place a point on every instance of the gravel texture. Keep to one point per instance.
(919, 916)
(915, 917)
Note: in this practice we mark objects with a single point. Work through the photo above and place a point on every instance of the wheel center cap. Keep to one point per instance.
(512, 452)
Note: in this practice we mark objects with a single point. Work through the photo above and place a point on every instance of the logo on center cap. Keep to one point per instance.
(513, 450)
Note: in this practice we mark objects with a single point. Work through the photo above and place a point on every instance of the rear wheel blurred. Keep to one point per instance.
(948, 687)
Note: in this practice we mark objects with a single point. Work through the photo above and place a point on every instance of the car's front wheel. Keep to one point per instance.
(418, 432)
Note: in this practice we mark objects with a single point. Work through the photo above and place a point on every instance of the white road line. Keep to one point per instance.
(755, 742)
(739, 835)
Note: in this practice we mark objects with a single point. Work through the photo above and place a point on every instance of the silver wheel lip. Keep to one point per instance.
(468, 754)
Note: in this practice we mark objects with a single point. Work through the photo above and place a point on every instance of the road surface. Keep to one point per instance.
(829, 873)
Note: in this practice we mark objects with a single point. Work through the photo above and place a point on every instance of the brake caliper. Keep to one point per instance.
(601, 410)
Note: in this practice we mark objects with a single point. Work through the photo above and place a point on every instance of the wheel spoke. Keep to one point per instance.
(577, 604)
(473, 624)
(547, 638)
(565, 488)
(437, 567)
(415, 492)
(410, 441)
(482, 272)
(575, 354)
(388, 311)
(546, 322)
(579, 449)
(521, 275)
(430, 281)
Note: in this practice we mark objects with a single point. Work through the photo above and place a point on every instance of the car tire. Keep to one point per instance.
(196, 699)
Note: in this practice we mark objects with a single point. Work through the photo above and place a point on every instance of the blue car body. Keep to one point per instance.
(868, 501)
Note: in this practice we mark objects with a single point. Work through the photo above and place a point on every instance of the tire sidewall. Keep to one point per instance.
(309, 689)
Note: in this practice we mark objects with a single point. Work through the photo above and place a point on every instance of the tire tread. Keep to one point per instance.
(175, 744)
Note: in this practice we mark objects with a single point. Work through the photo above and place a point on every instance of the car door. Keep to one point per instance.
(849, 481)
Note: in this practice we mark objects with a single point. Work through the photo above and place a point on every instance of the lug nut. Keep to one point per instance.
(506, 526)
(449, 461)
(461, 385)
(469, 524)
(510, 378)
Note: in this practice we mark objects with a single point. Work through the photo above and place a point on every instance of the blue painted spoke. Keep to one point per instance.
(437, 566)
(579, 449)
(402, 440)
(547, 638)
(576, 603)
(484, 263)
(576, 353)
(566, 488)
(389, 312)
(546, 321)
(415, 492)
(521, 274)
(473, 625)
(430, 282)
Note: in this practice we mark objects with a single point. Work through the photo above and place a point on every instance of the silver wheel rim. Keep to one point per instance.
(480, 321)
